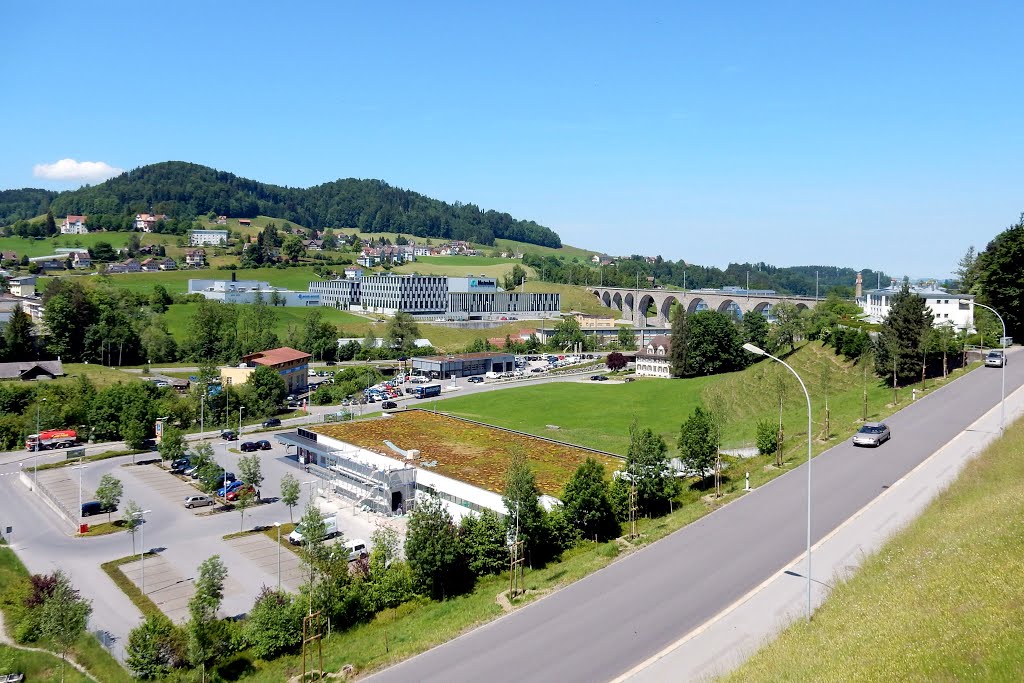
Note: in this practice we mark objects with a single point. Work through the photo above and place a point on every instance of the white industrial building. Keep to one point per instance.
(248, 291)
(384, 483)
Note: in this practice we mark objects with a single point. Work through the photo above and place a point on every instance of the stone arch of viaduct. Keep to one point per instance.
(631, 303)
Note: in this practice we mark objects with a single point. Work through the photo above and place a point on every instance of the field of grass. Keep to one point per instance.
(100, 375)
(522, 247)
(573, 298)
(471, 453)
(468, 265)
(37, 666)
(941, 601)
(25, 246)
(176, 281)
(599, 414)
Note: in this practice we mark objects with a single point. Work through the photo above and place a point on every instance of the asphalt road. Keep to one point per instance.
(601, 626)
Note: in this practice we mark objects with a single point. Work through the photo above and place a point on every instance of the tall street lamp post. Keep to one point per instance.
(38, 447)
(142, 544)
(80, 467)
(1002, 345)
(761, 352)
(278, 525)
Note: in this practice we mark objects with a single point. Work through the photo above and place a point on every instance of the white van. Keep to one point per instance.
(331, 530)
(356, 548)
(492, 375)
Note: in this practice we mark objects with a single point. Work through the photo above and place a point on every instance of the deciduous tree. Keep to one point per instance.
(433, 550)
(647, 467)
(109, 493)
(290, 491)
(698, 445)
(587, 503)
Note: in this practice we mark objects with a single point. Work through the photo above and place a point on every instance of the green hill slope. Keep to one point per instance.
(181, 189)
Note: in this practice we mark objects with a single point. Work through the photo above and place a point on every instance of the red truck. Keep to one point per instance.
(51, 438)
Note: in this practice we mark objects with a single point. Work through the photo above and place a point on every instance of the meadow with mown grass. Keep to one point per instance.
(941, 601)
(598, 414)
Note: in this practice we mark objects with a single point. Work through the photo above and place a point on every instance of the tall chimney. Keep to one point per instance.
(859, 289)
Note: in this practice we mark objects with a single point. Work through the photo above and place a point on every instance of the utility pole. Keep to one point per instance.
(815, 285)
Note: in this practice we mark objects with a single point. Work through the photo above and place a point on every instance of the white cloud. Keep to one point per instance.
(70, 170)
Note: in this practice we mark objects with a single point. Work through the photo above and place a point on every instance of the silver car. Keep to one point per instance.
(872, 434)
(995, 359)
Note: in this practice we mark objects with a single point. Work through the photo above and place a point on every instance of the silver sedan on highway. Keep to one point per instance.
(872, 434)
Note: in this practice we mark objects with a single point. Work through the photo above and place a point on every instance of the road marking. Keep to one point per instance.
(671, 647)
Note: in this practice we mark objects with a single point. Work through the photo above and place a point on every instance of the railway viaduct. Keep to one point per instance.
(632, 304)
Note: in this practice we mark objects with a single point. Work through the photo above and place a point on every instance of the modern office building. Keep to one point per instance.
(338, 293)
(458, 298)
(415, 294)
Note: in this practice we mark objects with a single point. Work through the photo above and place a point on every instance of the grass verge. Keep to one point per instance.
(95, 457)
(113, 570)
(104, 528)
(36, 666)
(940, 601)
(87, 651)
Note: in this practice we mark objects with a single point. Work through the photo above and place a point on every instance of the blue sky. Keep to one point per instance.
(881, 135)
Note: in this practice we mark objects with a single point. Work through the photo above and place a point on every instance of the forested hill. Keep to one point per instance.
(183, 190)
(17, 205)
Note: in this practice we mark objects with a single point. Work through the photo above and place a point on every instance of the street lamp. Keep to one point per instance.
(38, 446)
(240, 409)
(142, 548)
(80, 467)
(278, 525)
(1003, 345)
(757, 351)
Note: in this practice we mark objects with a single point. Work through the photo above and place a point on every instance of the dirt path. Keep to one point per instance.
(9, 642)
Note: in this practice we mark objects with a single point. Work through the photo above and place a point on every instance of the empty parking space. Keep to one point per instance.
(265, 554)
(62, 485)
(165, 586)
(166, 485)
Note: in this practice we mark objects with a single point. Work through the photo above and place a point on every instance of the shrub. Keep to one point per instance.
(767, 437)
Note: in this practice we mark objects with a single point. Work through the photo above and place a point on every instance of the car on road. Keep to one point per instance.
(629, 379)
(248, 447)
(536, 369)
(229, 435)
(598, 378)
(389, 405)
(330, 531)
(241, 491)
(356, 549)
(995, 359)
(225, 490)
(872, 434)
(476, 379)
(272, 422)
(263, 445)
(197, 501)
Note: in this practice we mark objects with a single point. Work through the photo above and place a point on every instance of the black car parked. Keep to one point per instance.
(229, 435)
(93, 507)
(263, 445)
(248, 447)
(180, 465)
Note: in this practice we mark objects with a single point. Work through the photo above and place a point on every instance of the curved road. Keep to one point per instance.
(601, 626)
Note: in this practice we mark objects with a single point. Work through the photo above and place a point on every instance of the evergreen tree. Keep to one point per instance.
(679, 345)
(19, 341)
(899, 341)
(1000, 272)
(433, 550)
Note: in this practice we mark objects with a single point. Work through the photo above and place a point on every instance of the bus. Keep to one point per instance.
(427, 391)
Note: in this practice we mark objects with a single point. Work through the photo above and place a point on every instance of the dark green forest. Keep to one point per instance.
(183, 191)
(18, 205)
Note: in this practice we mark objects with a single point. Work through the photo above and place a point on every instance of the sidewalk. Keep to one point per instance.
(727, 640)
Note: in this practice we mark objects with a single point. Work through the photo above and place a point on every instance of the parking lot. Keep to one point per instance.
(62, 485)
(266, 554)
(165, 585)
(165, 485)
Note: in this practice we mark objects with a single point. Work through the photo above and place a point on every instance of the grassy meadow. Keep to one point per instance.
(941, 601)
(599, 414)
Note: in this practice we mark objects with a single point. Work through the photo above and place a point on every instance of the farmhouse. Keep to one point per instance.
(654, 360)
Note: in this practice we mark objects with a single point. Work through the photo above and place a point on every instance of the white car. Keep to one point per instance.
(995, 359)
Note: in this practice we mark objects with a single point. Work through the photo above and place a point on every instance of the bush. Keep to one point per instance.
(767, 437)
